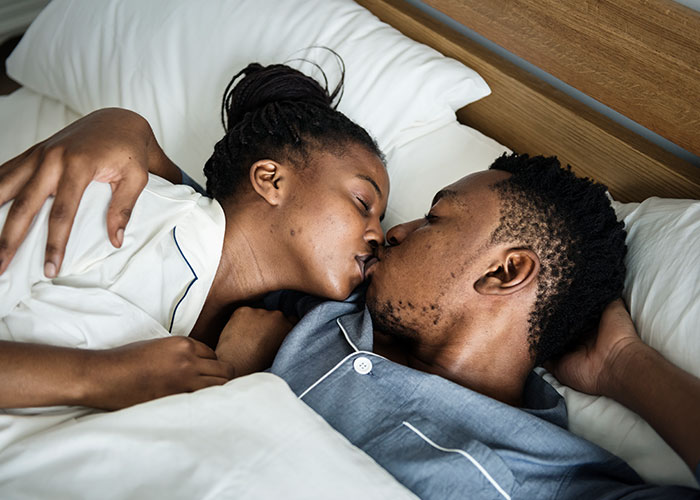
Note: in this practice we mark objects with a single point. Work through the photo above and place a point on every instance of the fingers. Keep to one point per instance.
(27, 204)
(216, 368)
(202, 350)
(61, 218)
(124, 196)
(14, 174)
(209, 364)
(619, 307)
(205, 382)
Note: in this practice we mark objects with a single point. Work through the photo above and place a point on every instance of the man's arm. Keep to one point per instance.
(109, 145)
(619, 365)
(42, 375)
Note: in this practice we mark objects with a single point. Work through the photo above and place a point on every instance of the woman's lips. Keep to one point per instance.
(365, 262)
(368, 265)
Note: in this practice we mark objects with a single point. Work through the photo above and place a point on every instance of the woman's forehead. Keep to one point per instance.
(355, 161)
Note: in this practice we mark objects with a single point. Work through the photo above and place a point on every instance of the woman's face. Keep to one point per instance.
(333, 219)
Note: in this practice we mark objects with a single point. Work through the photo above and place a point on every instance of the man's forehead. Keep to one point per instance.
(469, 185)
(444, 193)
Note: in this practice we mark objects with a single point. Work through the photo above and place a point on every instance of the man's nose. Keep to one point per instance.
(397, 234)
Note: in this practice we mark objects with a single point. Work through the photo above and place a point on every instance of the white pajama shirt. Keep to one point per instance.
(153, 286)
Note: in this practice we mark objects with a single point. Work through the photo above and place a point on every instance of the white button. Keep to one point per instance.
(362, 365)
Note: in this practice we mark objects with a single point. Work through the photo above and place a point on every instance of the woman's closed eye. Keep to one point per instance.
(364, 204)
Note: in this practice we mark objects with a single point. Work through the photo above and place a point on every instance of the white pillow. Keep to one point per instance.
(662, 291)
(170, 60)
(423, 166)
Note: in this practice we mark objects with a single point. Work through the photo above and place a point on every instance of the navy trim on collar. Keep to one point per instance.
(172, 319)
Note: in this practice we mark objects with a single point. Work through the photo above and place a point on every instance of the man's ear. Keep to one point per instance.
(513, 271)
(267, 178)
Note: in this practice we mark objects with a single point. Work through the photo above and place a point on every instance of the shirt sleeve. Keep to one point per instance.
(616, 480)
(291, 303)
(189, 181)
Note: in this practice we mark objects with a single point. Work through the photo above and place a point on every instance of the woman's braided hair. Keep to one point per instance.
(276, 112)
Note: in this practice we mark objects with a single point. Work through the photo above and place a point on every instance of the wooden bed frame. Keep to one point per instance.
(640, 58)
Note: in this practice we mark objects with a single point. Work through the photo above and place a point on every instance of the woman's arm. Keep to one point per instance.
(109, 145)
(619, 365)
(251, 338)
(42, 375)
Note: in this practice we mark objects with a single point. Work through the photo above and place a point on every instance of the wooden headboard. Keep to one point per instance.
(656, 83)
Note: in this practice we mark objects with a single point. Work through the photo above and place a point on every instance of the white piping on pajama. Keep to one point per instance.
(464, 454)
(357, 351)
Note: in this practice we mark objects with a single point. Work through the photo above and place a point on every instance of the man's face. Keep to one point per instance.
(423, 285)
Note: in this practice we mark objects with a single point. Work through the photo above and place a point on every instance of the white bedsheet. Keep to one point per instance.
(28, 118)
(249, 439)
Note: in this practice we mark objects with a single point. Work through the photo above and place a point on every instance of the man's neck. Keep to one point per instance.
(492, 375)
(496, 384)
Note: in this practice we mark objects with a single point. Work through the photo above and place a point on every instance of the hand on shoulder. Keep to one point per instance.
(111, 145)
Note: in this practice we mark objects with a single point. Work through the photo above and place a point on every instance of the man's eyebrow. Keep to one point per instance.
(374, 184)
(443, 193)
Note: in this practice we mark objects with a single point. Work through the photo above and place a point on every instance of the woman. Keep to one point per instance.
(298, 190)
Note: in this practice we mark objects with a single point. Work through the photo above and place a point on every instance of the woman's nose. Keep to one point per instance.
(375, 235)
(397, 234)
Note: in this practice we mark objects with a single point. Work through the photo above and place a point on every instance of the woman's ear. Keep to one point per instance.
(515, 270)
(267, 178)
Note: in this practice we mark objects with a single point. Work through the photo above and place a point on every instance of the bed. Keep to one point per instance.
(258, 441)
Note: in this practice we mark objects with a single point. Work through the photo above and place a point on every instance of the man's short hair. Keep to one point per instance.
(570, 224)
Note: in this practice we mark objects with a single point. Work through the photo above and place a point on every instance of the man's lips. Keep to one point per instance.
(365, 262)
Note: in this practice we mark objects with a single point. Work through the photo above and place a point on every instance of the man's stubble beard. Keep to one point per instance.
(386, 319)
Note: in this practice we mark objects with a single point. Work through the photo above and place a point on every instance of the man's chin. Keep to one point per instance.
(387, 319)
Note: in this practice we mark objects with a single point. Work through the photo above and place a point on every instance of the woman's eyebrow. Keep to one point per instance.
(374, 184)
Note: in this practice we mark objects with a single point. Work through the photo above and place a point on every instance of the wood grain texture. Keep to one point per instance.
(639, 57)
(530, 116)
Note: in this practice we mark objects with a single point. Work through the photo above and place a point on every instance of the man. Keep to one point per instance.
(478, 293)
(474, 299)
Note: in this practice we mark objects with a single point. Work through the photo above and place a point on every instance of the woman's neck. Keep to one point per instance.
(251, 266)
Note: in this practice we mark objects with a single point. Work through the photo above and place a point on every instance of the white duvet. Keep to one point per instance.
(249, 439)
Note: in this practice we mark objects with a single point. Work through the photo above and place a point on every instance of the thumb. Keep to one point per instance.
(124, 196)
